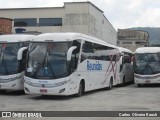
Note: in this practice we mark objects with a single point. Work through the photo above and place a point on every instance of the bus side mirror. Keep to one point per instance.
(20, 53)
(69, 53)
(121, 67)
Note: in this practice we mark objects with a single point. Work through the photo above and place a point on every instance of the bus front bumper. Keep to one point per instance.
(146, 79)
(60, 90)
(12, 85)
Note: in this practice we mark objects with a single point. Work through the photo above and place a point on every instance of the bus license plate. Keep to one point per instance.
(43, 90)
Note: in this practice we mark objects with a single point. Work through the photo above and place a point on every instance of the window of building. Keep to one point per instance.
(50, 22)
(141, 43)
(138, 42)
(25, 22)
(126, 42)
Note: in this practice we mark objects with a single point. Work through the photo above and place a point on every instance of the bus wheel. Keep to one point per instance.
(139, 85)
(3, 91)
(110, 84)
(80, 90)
(123, 83)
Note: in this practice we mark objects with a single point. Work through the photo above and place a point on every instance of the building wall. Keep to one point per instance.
(132, 45)
(75, 18)
(132, 39)
(82, 17)
(100, 27)
(5, 26)
(35, 13)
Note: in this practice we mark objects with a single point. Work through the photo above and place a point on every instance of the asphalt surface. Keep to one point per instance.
(127, 98)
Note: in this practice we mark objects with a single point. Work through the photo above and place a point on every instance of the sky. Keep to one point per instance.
(121, 13)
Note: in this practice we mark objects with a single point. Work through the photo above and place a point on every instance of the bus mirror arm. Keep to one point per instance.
(121, 67)
(69, 53)
(20, 53)
(122, 54)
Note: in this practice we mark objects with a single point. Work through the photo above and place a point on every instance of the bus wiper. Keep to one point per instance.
(40, 65)
(46, 63)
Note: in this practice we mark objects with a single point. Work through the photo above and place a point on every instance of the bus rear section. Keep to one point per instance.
(147, 66)
(11, 67)
(126, 72)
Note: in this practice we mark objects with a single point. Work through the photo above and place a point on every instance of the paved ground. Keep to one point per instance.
(128, 98)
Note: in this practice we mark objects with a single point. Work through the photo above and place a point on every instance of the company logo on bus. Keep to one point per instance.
(43, 82)
(94, 66)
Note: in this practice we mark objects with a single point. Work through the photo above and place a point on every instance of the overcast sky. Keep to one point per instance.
(121, 13)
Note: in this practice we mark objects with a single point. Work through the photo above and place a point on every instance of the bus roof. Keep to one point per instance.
(59, 37)
(121, 49)
(148, 50)
(15, 38)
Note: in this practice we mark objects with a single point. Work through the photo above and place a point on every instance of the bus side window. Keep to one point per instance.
(99, 52)
(87, 51)
(127, 59)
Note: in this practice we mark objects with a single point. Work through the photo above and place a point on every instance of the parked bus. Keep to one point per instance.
(11, 67)
(70, 63)
(147, 66)
(126, 72)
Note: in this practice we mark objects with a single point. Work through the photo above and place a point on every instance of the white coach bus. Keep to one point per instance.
(70, 63)
(126, 71)
(11, 67)
(147, 66)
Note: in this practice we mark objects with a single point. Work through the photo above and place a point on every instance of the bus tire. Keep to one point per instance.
(3, 91)
(81, 89)
(139, 85)
(123, 82)
(110, 84)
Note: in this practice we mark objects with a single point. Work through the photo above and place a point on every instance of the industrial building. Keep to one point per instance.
(132, 39)
(82, 17)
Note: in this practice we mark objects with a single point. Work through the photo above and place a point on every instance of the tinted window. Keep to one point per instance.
(147, 63)
(87, 51)
(24, 22)
(48, 60)
(98, 52)
(50, 22)
(127, 57)
(8, 58)
(101, 52)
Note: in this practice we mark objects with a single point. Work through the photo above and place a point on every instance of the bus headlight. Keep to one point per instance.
(62, 90)
(61, 83)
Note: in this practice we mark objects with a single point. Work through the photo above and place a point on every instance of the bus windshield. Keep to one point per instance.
(147, 63)
(47, 60)
(8, 58)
